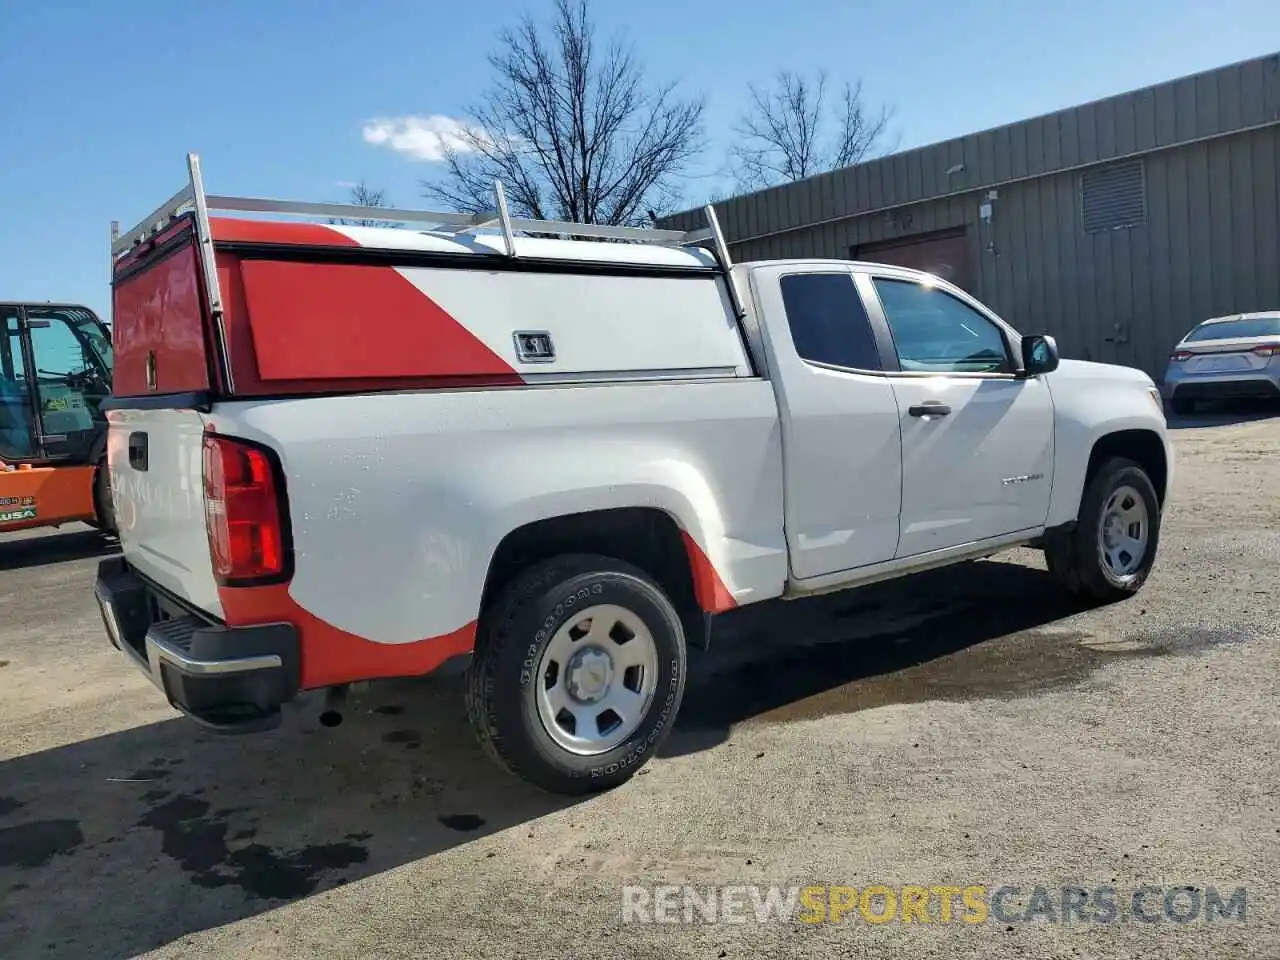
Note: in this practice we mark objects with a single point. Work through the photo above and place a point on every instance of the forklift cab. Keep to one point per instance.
(55, 371)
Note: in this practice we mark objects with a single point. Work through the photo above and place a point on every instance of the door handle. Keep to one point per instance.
(930, 408)
(138, 451)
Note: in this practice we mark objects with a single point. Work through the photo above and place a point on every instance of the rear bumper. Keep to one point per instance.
(231, 679)
(1260, 384)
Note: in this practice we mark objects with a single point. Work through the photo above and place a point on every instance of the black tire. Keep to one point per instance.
(103, 505)
(1074, 556)
(1183, 406)
(514, 632)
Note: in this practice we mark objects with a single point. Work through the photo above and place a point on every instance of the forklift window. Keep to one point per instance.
(72, 378)
(16, 440)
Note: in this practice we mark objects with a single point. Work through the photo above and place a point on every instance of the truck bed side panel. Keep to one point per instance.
(398, 501)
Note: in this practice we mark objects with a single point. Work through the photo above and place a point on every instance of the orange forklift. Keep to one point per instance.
(55, 371)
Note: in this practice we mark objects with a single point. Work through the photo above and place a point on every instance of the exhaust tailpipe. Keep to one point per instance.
(334, 698)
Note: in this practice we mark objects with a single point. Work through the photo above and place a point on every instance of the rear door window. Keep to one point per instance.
(829, 324)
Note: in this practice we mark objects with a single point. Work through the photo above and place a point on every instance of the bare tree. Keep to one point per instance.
(571, 130)
(362, 195)
(791, 130)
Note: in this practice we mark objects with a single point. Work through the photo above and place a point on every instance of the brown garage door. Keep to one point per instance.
(944, 254)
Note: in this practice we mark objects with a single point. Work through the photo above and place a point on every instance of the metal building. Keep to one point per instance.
(1115, 226)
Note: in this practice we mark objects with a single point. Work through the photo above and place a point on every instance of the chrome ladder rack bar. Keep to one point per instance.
(154, 222)
(721, 250)
(459, 223)
(209, 267)
(341, 210)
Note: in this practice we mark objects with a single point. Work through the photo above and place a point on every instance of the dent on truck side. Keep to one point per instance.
(1092, 401)
(399, 501)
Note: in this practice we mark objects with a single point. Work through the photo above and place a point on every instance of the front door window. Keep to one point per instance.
(935, 332)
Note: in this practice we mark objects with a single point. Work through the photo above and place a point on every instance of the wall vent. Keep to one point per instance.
(1114, 197)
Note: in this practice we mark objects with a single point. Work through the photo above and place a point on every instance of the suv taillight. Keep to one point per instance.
(1180, 355)
(1268, 350)
(244, 512)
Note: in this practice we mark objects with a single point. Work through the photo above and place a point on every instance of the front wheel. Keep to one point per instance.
(579, 672)
(1109, 552)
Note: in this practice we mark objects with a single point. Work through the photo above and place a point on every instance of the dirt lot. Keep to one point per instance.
(963, 727)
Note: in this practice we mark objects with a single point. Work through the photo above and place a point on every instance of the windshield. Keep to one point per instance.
(1231, 329)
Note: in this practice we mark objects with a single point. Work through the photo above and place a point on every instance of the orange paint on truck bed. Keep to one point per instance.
(331, 655)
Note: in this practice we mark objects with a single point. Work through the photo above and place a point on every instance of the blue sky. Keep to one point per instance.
(101, 100)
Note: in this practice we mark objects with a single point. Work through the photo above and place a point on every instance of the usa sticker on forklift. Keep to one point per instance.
(13, 516)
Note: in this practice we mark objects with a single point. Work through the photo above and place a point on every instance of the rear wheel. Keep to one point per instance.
(104, 507)
(578, 675)
(1109, 552)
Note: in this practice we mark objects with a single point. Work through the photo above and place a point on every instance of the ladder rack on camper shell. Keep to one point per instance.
(193, 198)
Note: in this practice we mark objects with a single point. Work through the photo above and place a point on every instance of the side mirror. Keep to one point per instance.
(1039, 355)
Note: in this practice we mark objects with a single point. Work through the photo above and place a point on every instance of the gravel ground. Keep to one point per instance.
(963, 727)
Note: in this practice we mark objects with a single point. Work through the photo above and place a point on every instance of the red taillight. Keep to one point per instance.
(243, 512)
(1268, 350)
(1179, 355)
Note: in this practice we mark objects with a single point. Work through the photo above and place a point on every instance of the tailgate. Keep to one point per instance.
(157, 483)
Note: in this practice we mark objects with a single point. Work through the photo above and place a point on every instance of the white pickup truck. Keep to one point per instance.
(343, 453)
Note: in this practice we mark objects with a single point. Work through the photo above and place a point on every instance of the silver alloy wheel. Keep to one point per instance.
(1124, 529)
(596, 679)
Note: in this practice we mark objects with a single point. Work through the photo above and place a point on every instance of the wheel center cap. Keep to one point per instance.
(589, 674)
(1113, 530)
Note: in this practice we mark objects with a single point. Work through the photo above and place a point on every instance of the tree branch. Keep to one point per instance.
(571, 129)
(788, 133)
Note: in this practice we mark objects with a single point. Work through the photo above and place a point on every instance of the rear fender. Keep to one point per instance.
(686, 498)
(400, 502)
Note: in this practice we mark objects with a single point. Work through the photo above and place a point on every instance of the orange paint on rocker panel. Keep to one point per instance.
(709, 590)
(331, 655)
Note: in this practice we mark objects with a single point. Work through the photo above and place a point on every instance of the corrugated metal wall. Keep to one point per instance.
(1210, 244)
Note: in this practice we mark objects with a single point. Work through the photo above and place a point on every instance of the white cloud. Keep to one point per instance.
(422, 138)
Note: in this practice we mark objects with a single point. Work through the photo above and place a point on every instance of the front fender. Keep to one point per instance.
(1092, 401)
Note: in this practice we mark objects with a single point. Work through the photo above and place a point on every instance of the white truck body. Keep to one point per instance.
(660, 392)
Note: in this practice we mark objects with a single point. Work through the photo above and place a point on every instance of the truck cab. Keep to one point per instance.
(937, 430)
(55, 373)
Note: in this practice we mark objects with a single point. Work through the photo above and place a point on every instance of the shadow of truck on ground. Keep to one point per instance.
(116, 845)
(38, 548)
